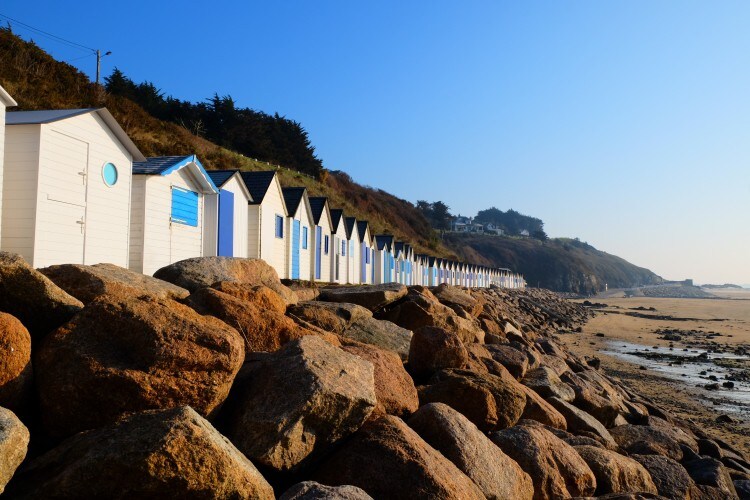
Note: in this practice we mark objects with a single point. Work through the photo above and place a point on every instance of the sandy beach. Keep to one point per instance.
(717, 327)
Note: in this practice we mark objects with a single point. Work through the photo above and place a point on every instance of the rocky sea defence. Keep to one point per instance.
(215, 380)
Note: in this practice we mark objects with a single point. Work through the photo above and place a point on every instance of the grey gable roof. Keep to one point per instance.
(292, 198)
(336, 215)
(220, 176)
(316, 204)
(381, 240)
(257, 183)
(350, 221)
(42, 116)
(362, 229)
(157, 164)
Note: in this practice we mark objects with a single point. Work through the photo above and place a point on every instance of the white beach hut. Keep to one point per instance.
(227, 236)
(339, 253)
(168, 218)
(321, 270)
(298, 227)
(366, 252)
(353, 255)
(384, 260)
(266, 220)
(66, 187)
(5, 101)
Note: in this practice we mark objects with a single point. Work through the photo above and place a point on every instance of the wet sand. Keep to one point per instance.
(721, 325)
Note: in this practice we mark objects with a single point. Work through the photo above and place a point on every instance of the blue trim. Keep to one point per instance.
(226, 224)
(304, 237)
(279, 226)
(295, 249)
(186, 161)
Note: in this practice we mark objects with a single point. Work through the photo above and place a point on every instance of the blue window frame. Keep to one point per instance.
(367, 255)
(343, 248)
(184, 207)
(304, 237)
(325, 247)
(279, 226)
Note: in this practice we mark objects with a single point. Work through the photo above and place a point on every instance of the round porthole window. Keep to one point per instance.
(109, 173)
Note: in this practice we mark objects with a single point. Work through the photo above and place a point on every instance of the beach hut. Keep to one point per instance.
(227, 237)
(66, 187)
(353, 255)
(168, 220)
(298, 227)
(399, 273)
(339, 255)
(266, 220)
(384, 261)
(322, 239)
(366, 252)
(6, 101)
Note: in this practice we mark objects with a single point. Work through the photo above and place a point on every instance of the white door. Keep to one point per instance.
(62, 233)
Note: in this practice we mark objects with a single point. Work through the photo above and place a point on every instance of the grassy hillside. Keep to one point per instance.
(38, 81)
(559, 264)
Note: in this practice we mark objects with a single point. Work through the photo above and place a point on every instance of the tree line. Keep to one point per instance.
(511, 222)
(271, 138)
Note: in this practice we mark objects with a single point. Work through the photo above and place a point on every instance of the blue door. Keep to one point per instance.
(295, 249)
(226, 224)
(318, 243)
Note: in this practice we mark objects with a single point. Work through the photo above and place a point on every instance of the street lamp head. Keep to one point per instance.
(109, 52)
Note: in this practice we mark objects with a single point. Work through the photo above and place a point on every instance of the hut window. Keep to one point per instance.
(109, 174)
(304, 237)
(343, 248)
(325, 246)
(184, 207)
(279, 226)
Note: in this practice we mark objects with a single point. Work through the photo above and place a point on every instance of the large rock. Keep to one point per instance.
(127, 354)
(516, 362)
(387, 459)
(710, 472)
(296, 402)
(547, 384)
(555, 467)
(263, 327)
(420, 308)
(616, 473)
(497, 475)
(372, 297)
(14, 442)
(670, 478)
(459, 300)
(200, 272)
(595, 395)
(646, 440)
(489, 401)
(541, 411)
(89, 282)
(171, 453)
(15, 362)
(394, 388)
(310, 490)
(353, 322)
(580, 421)
(433, 349)
(31, 297)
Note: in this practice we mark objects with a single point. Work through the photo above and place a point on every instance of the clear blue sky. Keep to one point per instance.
(624, 123)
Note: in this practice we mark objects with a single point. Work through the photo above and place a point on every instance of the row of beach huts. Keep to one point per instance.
(76, 189)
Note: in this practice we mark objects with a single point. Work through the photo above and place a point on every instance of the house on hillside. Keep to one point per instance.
(491, 228)
(366, 252)
(384, 259)
(228, 236)
(298, 225)
(66, 187)
(322, 239)
(339, 254)
(353, 255)
(6, 101)
(168, 220)
(266, 220)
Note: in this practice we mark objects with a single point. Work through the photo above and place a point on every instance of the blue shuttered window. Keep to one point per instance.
(304, 237)
(279, 226)
(343, 248)
(326, 245)
(184, 207)
(367, 255)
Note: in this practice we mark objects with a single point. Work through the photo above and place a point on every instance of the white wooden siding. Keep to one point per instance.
(325, 260)
(21, 166)
(2, 154)
(338, 237)
(239, 241)
(354, 258)
(253, 231)
(273, 249)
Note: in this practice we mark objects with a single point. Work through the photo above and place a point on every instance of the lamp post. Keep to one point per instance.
(99, 63)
